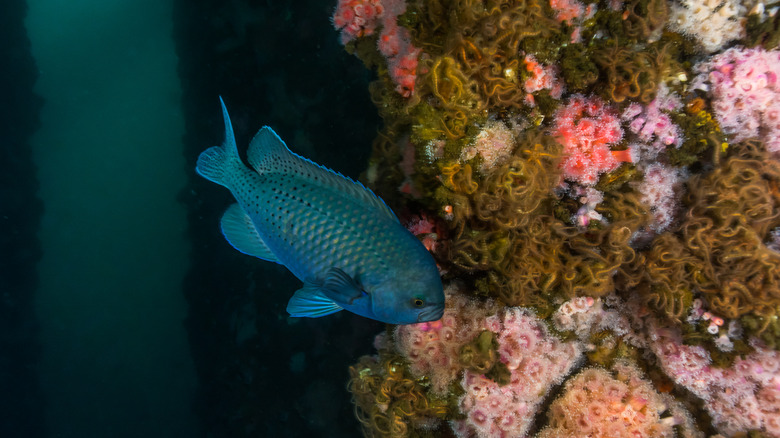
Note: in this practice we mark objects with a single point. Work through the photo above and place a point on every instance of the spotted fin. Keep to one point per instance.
(340, 287)
(268, 153)
(238, 229)
(309, 301)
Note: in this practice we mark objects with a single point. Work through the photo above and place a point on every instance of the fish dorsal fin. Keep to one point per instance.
(238, 229)
(268, 153)
(340, 287)
(309, 301)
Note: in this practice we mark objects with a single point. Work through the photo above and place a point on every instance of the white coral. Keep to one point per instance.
(713, 23)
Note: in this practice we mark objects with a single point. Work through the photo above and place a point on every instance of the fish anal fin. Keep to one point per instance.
(240, 232)
(311, 302)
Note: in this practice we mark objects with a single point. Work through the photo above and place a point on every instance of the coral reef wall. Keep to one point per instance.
(598, 182)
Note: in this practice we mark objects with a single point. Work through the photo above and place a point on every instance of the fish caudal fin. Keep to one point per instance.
(216, 163)
(240, 232)
(310, 302)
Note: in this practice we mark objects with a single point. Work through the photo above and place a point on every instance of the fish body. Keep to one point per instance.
(335, 235)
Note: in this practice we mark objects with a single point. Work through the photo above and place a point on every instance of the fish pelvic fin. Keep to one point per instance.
(268, 152)
(240, 232)
(310, 302)
(216, 163)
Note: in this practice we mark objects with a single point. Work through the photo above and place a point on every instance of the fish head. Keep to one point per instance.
(414, 294)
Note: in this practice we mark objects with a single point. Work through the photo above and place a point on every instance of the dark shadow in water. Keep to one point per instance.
(278, 64)
(21, 399)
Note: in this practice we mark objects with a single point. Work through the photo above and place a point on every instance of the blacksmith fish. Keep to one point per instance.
(334, 234)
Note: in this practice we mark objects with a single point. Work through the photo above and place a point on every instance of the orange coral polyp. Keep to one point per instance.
(623, 156)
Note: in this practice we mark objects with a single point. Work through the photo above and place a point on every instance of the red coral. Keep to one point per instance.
(541, 78)
(586, 128)
(567, 10)
(403, 70)
(395, 44)
(357, 18)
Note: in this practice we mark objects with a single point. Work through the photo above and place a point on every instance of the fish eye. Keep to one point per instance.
(418, 302)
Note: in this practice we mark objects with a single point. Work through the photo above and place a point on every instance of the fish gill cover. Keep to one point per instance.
(599, 183)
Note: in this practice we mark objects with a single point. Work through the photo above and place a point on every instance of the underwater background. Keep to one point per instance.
(598, 181)
(124, 311)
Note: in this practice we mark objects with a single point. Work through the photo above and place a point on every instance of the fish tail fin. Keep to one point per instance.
(217, 162)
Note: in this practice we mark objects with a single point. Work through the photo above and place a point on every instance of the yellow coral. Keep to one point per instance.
(720, 250)
(388, 401)
(473, 58)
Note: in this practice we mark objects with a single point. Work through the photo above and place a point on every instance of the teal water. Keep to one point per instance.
(123, 310)
(114, 351)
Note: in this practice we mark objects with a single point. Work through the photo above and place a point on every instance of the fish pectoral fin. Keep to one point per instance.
(341, 287)
(238, 229)
(309, 301)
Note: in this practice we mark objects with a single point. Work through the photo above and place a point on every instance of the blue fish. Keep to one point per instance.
(334, 234)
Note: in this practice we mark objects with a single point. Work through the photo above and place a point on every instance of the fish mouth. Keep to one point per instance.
(432, 314)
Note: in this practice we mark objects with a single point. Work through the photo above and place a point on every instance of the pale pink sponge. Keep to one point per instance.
(432, 348)
(659, 189)
(743, 397)
(587, 315)
(651, 123)
(494, 143)
(745, 93)
(597, 403)
(586, 127)
(536, 360)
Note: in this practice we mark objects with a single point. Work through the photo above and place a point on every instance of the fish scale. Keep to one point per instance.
(332, 233)
(329, 218)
